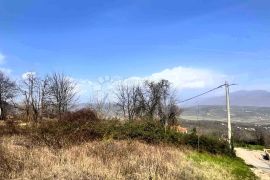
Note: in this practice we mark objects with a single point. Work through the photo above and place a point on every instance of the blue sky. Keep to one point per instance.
(88, 39)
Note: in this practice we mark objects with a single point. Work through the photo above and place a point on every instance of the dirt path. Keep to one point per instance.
(255, 158)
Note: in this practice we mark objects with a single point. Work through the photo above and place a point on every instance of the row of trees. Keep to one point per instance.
(39, 97)
(55, 94)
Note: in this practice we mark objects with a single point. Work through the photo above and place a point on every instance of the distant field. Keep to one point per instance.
(255, 115)
(242, 132)
(250, 124)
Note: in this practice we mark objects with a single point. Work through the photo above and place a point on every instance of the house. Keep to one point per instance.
(180, 129)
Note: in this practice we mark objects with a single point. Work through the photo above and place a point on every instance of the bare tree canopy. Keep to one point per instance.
(35, 95)
(127, 99)
(62, 92)
(8, 91)
(154, 100)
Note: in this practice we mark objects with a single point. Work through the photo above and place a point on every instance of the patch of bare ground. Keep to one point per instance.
(260, 166)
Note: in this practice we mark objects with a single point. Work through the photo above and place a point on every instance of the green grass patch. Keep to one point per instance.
(252, 147)
(233, 165)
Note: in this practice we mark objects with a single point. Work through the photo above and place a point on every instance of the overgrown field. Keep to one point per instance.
(111, 159)
(90, 148)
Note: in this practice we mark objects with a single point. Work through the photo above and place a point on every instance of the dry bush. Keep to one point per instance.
(104, 160)
(74, 128)
(9, 128)
(85, 114)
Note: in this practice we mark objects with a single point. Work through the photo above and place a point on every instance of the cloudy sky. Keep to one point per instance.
(196, 44)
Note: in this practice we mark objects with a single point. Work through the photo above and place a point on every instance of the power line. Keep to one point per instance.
(207, 92)
(202, 94)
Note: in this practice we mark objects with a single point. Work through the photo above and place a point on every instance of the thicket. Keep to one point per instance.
(83, 126)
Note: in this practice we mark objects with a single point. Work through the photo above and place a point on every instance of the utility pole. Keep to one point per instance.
(165, 126)
(227, 89)
(198, 111)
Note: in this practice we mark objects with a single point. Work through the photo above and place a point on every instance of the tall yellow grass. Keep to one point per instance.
(101, 160)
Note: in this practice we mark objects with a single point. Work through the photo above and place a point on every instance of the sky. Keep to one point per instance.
(195, 44)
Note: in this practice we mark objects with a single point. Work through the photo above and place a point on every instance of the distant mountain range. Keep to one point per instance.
(256, 98)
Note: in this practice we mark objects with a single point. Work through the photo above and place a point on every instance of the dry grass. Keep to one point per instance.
(101, 160)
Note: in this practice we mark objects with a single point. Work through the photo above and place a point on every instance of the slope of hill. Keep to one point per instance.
(114, 160)
(257, 98)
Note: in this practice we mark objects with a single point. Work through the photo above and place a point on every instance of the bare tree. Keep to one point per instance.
(153, 100)
(99, 102)
(62, 93)
(127, 100)
(168, 110)
(8, 91)
(31, 95)
(45, 97)
(35, 93)
(155, 95)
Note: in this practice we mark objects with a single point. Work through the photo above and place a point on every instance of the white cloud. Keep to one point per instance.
(2, 58)
(2, 61)
(101, 87)
(27, 74)
(6, 70)
(83, 87)
(181, 78)
(186, 78)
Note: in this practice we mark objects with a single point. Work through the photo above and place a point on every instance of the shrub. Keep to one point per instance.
(63, 133)
(149, 131)
(9, 127)
(154, 132)
(215, 146)
(83, 125)
(83, 115)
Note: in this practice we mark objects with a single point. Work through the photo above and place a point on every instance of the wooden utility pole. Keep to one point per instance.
(227, 89)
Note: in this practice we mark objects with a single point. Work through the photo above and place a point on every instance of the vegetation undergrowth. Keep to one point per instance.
(87, 145)
(59, 134)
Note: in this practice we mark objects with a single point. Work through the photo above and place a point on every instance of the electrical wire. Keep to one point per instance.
(202, 94)
(207, 92)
